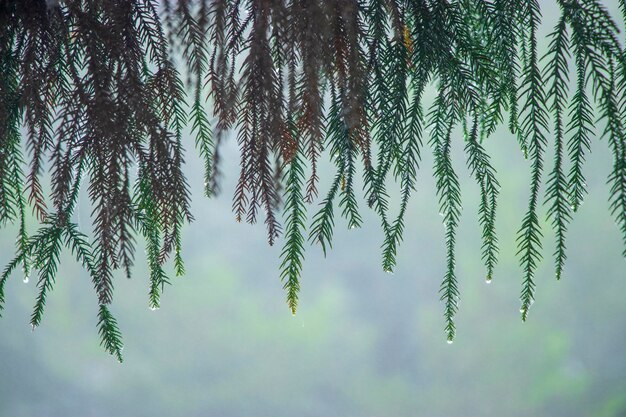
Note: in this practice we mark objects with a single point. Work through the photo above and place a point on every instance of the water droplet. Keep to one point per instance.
(441, 214)
(450, 341)
(153, 308)
(353, 227)
(25, 280)
(388, 270)
(488, 280)
(522, 310)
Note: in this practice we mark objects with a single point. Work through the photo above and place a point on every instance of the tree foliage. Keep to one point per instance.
(98, 93)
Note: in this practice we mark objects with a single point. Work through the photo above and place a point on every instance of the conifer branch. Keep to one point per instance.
(533, 125)
(110, 333)
(557, 186)
(292, 254)
(449, 193)
(102, 93)
(480, 166)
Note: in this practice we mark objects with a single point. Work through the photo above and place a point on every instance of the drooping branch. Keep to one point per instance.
(98, 94)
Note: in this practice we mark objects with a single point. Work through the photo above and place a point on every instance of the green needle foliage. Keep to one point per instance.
(91, 96)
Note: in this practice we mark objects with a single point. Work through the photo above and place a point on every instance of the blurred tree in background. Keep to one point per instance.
(99, 94)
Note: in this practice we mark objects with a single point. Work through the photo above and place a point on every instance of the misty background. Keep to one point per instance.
(364, 343)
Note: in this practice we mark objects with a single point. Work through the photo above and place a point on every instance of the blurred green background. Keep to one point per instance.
(364, 343)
